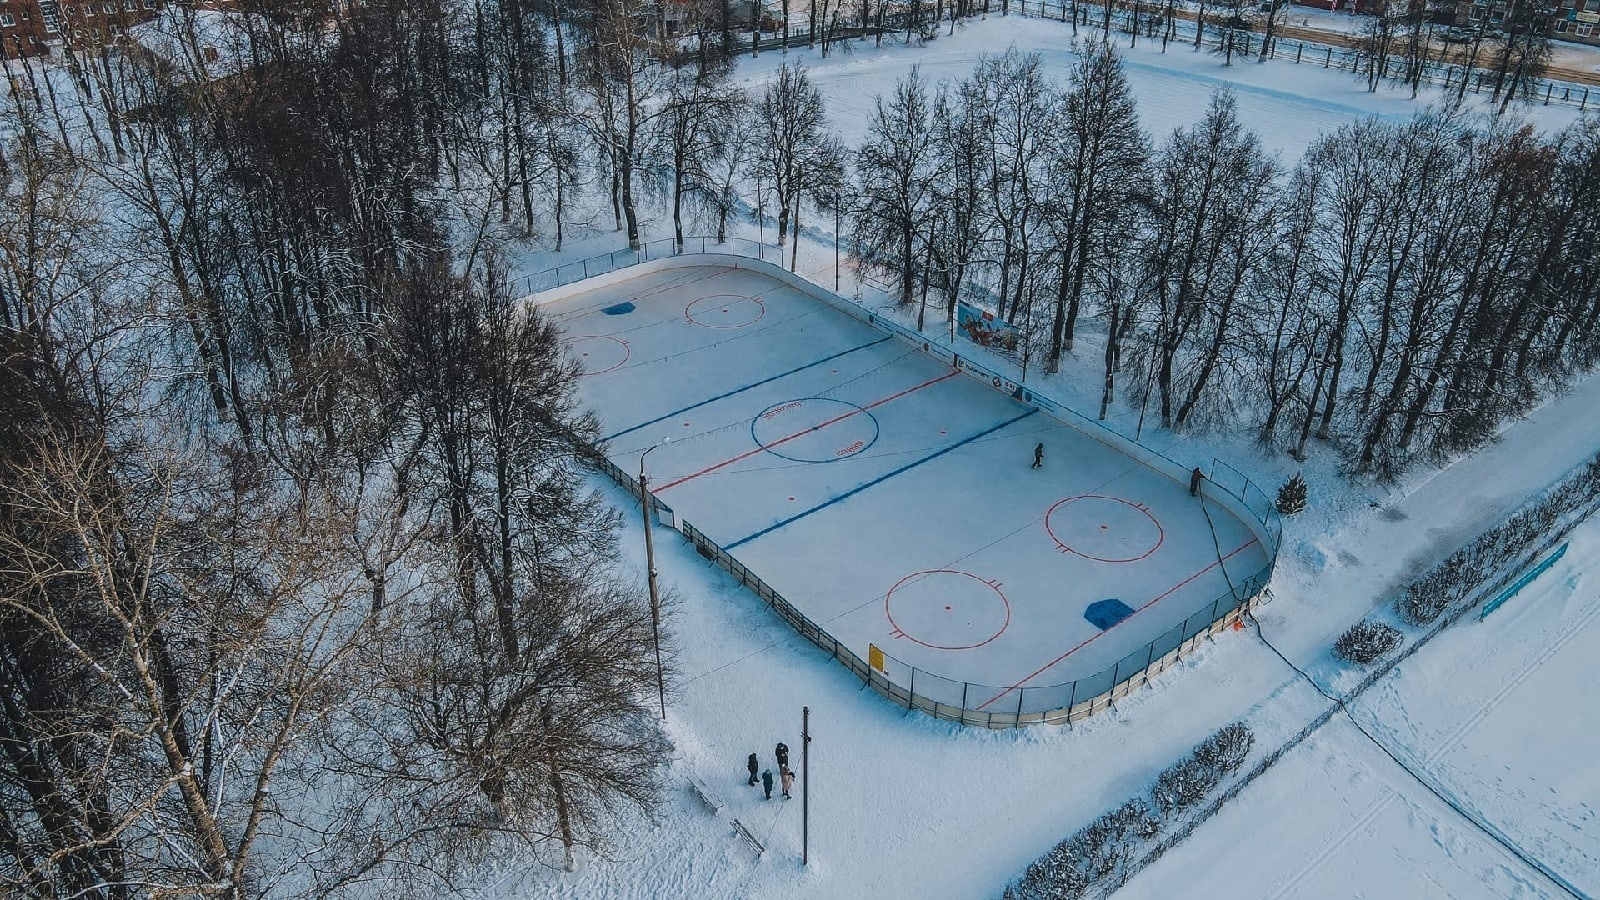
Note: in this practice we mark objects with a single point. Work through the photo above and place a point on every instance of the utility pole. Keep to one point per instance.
(805, 785)
(650, 576)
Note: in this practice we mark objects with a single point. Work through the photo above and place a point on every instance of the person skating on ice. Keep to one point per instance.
(766, 782)
(1038, 456)
(754, 765)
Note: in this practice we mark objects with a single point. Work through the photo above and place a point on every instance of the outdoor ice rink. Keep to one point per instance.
(889, 496)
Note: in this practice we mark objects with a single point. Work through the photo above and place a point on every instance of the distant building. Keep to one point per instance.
(1572, 20)
(45, 27)
(1578, 20)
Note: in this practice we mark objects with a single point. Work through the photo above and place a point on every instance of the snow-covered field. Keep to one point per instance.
(1287, 104)
(1498, 713)
(906, 807)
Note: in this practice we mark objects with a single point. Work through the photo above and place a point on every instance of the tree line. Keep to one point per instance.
(302, 590)
(1399, 291)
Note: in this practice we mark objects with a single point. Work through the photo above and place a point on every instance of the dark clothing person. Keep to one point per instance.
(1038, 456)
(754, 766)
(782, 752)
(788, 782)
(766, 782)
(1194, 481)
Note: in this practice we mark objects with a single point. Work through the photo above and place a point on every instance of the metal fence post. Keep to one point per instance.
(1020, 693)
(911, 690)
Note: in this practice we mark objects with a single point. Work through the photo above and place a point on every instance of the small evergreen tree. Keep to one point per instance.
(1292, 496)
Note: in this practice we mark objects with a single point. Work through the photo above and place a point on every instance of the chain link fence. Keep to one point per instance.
(1150, 22)
(970, 703)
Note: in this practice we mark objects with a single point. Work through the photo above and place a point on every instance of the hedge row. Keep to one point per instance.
(1108, 844)
(1504, 545)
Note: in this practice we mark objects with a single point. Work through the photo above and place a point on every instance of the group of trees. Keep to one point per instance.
(1399, 291)
(301, 588)
(1400, 42)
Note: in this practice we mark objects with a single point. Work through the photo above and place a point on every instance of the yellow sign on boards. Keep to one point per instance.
(875, 657)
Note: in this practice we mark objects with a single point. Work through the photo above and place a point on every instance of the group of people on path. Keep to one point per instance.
(785, 774)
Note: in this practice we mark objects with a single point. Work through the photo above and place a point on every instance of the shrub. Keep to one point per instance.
(1137, 819)
(1103, 850)
(1183, 785)
(1225, 751)
(1366, 641)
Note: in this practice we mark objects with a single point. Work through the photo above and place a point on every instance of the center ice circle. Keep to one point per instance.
(814, 429)
(1104, 529)
(725, 311)
(947, 609)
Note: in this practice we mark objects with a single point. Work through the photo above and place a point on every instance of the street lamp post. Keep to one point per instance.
(650, 577)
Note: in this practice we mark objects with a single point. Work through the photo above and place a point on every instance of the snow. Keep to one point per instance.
(903, 806)
(1287, 104)
(1493, 711)
(212, 39)
(907, 807)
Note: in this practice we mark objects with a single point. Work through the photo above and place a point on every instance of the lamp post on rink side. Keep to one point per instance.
(650, 576)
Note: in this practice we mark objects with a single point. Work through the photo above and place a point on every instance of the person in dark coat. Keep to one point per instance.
(1038, 456)
(788, 781)
(766, 782)
(1194, 481)
(782, 753)
(754, 765)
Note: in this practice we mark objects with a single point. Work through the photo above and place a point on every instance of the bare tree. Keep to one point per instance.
(693, 134)
(792, 121)
(897, 169)
(1212, 214)
(1098, 173)
(520, 681)
(625, 78)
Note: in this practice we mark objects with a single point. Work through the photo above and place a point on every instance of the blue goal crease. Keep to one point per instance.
(726, 395)
(879, 480)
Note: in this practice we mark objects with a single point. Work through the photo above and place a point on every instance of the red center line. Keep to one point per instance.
(1092, 638)
(839, 418)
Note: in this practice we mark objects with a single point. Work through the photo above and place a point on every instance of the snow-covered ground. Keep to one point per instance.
(906, 807)
(1288, 104)
(1498, 713)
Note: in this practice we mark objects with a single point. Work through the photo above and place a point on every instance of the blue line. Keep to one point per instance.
(745, 388)
(882, 478)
